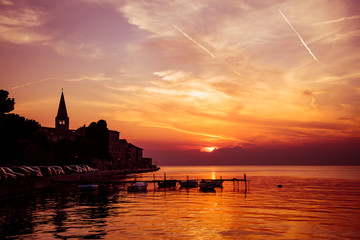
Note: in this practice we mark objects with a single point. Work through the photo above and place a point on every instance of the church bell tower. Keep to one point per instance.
(62, 119)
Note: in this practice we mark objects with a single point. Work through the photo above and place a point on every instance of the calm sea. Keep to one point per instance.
(315, 202)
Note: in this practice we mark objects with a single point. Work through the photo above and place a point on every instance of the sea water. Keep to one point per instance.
(314, 202)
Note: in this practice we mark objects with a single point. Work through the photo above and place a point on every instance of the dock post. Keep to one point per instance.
(245, 182)
(154, 180)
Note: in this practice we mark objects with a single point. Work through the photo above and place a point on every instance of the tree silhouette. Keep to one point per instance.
(19, 141)
(6, 103)
(98, 134)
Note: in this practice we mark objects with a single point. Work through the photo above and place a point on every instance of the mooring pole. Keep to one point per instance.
(245, 182)
(154, 180)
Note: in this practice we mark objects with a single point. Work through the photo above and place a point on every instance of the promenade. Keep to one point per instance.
(25, 186)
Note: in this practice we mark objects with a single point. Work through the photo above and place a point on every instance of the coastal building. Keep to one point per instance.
(136, 157)
(118, 150)
(61, 130)
(62, 119)
(114, 144)
(124, 155)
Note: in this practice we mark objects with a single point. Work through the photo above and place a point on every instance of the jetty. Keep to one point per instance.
(162, 183)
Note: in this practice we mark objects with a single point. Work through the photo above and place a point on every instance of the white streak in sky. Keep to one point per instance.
(181, 31)
(144, 2)
(338, 20)
(299, 36)
(194, 41)
(30, 83)
(193, 133)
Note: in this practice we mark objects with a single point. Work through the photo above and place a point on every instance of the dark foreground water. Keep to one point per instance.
(315, 202)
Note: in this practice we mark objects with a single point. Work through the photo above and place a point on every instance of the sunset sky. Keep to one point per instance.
(188, 74)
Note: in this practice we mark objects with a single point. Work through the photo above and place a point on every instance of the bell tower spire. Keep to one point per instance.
(62, 119)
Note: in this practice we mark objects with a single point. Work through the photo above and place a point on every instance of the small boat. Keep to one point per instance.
(188, 184)
(207, 186)
(167, 183)
(210, 184)
(138, 187)
(218, 183)
(88, 186)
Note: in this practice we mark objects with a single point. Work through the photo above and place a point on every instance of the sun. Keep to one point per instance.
(208, 149)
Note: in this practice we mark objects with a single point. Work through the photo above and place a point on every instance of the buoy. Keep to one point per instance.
(279, 186)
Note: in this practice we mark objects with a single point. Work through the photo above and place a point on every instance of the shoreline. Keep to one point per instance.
(20, 187)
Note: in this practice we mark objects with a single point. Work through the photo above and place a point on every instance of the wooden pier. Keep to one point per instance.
(163, 183)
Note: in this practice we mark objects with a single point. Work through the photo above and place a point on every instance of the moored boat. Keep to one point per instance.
(138, 187)
(218, 183)
(167, 183)
(206, 185)
(188, 184)
(210, 184)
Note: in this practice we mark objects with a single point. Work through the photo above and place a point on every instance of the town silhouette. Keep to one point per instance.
(25, 142)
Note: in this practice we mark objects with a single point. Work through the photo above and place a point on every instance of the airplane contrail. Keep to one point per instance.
(299, 36)
(194, 41)
(193, 133)
(338, 20)
(143, 1)
(30, 83)
(181, 31)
